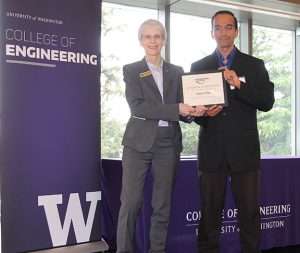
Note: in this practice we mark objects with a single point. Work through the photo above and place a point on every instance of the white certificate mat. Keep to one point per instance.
(205, 88)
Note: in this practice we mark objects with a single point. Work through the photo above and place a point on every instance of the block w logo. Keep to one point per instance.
(59, 232)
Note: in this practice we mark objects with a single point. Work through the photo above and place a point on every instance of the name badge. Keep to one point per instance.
(144, 74)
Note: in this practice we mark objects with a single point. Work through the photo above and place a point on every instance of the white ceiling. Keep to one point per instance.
(274, 9)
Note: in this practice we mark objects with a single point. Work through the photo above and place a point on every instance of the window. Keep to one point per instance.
(192, 44)
(186, 47)
(119, 46)
(274, 46)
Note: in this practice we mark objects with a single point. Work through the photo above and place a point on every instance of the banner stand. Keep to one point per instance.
(99, 246)
(50, 124)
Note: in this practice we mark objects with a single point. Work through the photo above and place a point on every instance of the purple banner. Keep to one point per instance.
(50, 171)
(280, 208)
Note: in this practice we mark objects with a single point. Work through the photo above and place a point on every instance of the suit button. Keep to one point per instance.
(224, 113)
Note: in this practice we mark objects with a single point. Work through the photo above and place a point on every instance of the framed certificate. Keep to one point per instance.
(204, 88)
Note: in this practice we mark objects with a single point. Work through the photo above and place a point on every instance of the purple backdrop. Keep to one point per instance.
(50, 122)
(280, 207)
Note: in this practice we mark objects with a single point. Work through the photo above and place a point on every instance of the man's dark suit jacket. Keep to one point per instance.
(233, 132)
(146, 105)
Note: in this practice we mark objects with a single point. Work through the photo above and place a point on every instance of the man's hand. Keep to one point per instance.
(213, 110)
(231, 78)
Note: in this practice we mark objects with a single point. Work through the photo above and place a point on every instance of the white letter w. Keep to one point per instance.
(59, 233)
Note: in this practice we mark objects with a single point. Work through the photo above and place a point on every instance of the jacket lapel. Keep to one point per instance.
(166, 77)
(213, 61)
(236, 62)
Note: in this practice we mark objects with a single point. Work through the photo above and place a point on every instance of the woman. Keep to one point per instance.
(152, 137)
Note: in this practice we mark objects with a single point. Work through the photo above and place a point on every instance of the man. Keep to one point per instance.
(152, 137)
(229, 141)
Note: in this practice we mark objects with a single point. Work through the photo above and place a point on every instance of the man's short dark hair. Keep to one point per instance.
(221, 13)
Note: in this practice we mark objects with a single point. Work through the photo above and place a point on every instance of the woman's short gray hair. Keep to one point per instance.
(152, 23)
